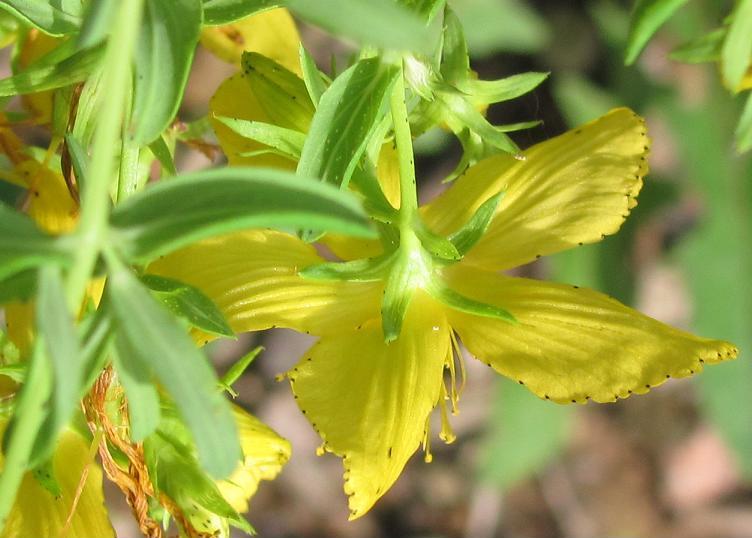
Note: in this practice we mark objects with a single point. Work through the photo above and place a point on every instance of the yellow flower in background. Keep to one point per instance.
(370, 398)
(77, 512)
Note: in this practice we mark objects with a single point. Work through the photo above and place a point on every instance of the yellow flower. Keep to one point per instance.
(370, 396)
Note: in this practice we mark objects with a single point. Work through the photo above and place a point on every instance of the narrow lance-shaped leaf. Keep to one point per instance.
(97, 23)
(189, 303)
(73, 69)
(23, 245)
(427, 9)
(381, 23)
(55, 325)
(347, 113)
(137, 379)
(169, 34)
(648, 16)
(311, 76)
(195, 206)
(54, 18)
(157, 343)
(286, 142)
(226, 11)
(737, 48)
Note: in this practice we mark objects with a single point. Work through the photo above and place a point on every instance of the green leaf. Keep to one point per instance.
(287, 142)
(744, 128)
(78, 158)
(466, 237)
(647, 17)
(20, 287)
(380, 23)
(226, 11)
(195, 206)
(169, 34)
(362, 270)
(23, 245)
(55, 18)
(161, 347)
(524, 435)
(189, 303)
(311, 76)
(56, 327)
(73, 69)
(496, 91)
(706, 48)
(349, 110)
(97, 22)
(737, 48)
(137, 380)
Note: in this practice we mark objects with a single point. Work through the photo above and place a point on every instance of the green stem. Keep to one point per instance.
(404, 140)
(95, 202)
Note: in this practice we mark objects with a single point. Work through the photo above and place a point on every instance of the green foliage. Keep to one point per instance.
(225, 11)
(156, 345)
(736, 53)
(70, 70)
(167, 42)
(647, 18)
(335, 143)
(526, 434)
(54, 18)
(204, 204)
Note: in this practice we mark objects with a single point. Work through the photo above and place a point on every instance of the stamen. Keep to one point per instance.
(446, 435)
(428, 457)
(463, 373)
(321, 449)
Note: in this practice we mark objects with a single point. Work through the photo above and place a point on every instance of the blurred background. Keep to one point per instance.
(675, 463)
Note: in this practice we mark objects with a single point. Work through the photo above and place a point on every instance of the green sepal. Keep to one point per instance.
(439, 246)
(397, 295)
(466, 114)
(73, 69)
(505, 89)
(455, 60)
(78, 159)
(374, 202)
(286, 142)
(706, 48)
(363, 270)
(314, 81)
(281, 93)
(162, 152)
(189, 303)
(466, 237)
(737, 47)
(441, 292)
(238, 369)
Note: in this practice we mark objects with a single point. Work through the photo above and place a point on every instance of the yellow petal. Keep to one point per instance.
(253, 277)
(271, 33)
(264, 455)
(235, 99)
(50, 203)
(572, 189)
(369, 400)
(37, 513)
(574, 344)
